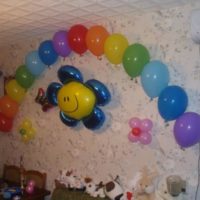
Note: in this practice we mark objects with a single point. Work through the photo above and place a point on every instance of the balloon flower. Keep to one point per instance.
(26, 130)
(77, 100)
(140, 130)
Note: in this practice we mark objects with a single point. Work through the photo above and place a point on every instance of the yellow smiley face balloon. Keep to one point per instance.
(76, 100)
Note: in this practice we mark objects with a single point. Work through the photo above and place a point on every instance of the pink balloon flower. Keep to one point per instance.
(140, 130)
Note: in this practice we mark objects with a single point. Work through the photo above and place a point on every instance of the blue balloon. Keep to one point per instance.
(68, 72)
(95, 120)
(100, 90)
(172, 102)
(34, 64)
(47, 53)
(68, 120)
(52, 92)
(154, 78)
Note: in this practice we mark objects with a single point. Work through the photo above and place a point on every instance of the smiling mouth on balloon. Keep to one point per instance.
(76, 108)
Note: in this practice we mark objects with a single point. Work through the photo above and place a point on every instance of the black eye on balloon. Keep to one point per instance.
(66, 99)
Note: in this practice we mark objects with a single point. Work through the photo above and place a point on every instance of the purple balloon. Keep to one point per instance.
(187, 129)
(61, 44)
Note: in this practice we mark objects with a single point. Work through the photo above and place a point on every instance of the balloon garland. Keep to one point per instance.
(172, 100)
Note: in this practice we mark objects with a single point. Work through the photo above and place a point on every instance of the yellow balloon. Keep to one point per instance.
(25, 138)
(26, 124)
(15, 91)
(114, 48)
(31, 133)
(76, 100)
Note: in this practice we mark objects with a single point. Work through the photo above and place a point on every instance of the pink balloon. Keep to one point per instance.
(31, 183)
(146, 125)
(145, 138)
(29, 189)
(134, 122)
(132, 137)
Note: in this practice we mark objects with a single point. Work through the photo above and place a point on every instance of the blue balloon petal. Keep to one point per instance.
(172, 102)
(52, 92)
(95, 120)
(67, 120)
(101, 91)
(68, 72)
(47, 53)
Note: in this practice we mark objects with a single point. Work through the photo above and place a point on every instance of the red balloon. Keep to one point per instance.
(136, 131)
(77, 38)
(5, 123)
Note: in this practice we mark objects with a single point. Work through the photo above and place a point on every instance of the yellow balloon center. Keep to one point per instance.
(76, 100)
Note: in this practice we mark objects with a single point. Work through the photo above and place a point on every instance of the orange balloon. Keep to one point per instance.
(8, 106)
(95, 39)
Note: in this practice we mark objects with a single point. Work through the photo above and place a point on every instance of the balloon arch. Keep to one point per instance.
(172, 100)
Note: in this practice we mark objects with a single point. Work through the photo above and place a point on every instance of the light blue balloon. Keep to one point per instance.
(154, 78)
(34, 64)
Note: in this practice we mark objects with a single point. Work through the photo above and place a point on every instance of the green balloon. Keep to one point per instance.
(24, 77)
(22, 131)
(135, 57)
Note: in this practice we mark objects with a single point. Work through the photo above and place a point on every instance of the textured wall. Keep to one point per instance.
(108, 151)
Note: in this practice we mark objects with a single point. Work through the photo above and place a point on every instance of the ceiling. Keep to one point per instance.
(25, 19)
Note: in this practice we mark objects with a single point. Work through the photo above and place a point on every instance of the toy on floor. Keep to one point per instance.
(14, 193)
(113, 189)
(146, 185)
(176, 185)
(70, 180)
(94, 190)
(130, 190)
(171, 188)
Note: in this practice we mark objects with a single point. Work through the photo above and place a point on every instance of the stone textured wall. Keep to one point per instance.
(108, 151)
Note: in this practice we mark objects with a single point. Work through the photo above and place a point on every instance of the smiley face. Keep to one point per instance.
(76, 100)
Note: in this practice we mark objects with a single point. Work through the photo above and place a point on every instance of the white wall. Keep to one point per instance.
(108, 151)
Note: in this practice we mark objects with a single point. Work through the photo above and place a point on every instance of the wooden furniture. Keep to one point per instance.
(15, 176)
(11, 173)
(38, 177)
